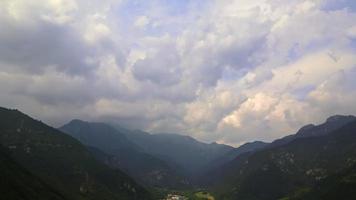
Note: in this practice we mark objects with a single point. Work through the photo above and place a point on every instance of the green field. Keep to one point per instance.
(204, 196)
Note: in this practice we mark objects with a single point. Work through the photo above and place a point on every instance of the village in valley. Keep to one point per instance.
(198, 195)
(175, 197)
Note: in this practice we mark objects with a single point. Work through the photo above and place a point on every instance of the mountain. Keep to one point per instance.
(61, 162)
(310, 130)
(232, 154)
(113, 148)
(340, 185)
(300, 168)
(17, 183)
(98, 135)
(187, 152)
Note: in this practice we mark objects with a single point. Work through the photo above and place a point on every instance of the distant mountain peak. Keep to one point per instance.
(255, 142)
(335, 118)
(79, 122)
(332, 123)
(305, 128)
(177, 136)
(75, 121)
(251, 146)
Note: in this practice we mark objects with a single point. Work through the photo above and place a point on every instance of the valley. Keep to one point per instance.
(188, 195)
(96, 160)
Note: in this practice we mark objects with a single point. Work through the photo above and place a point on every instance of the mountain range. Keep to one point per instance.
(158, 160)
(185, 151)
(293, 169)
(90, 160)
(115, 149)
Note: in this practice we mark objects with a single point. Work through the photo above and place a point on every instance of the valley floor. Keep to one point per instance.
(189, 195)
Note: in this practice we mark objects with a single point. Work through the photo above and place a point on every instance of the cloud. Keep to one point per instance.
(228, 71)
(141, 21)
(159, 66)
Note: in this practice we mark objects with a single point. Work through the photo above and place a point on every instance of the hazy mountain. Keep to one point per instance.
(99, 135)
(289, 171)
(232, 154)
(187, 152)
(116, 150)
(61, 161)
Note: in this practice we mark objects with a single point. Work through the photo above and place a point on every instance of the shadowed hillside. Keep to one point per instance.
(115, 149)
(61, 161)
(293, 169)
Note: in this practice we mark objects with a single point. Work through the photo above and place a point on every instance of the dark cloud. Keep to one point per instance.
(35, 48)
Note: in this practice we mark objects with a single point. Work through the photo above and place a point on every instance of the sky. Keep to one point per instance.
(230, 71)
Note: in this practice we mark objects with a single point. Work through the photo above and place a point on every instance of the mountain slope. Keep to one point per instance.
(187, 152)
(310, 130)
(18, 183)
(281, 171)
(112, 147)
(100, 135)
(340, 185)
(62, 162)
(232, 154)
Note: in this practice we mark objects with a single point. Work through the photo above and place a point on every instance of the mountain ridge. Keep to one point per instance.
(188, 152)
(283, 170)
(123, 154)
(63, 162)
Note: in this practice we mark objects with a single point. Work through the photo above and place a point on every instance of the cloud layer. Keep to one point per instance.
(229, 71)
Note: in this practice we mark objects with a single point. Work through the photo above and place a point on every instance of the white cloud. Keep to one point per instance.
(230, 71)
(96, 31)
(142, 21)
